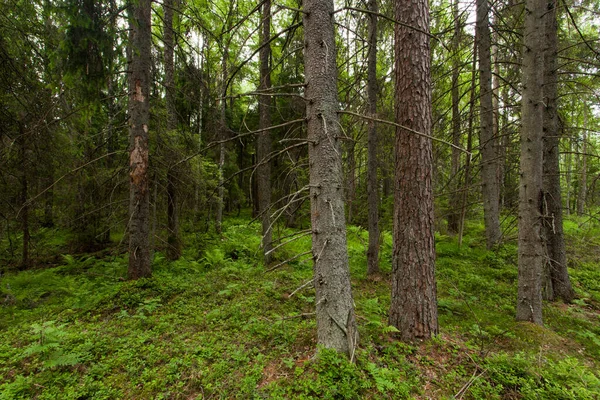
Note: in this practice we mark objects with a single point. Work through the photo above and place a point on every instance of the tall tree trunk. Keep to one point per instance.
(455, 196)
(583, 174)
(336, 322)
(173, 237)
(25, 261)
(487, 141)
(372, 182)
(263, 150)
(414, 304)
(553, 228)
(139, 111)
(465, 191)
(531, 195)
(568, 175)
(222, 127)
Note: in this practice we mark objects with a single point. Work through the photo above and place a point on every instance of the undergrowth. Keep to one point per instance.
(214, 324)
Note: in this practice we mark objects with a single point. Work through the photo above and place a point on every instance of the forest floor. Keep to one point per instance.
(215, 325)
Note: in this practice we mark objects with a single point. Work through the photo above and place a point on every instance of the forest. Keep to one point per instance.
(299, 199)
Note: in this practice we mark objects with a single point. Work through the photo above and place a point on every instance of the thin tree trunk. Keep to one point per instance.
(372, 182)
(336, 322)
(264, 138)
(222, 136)
(173, 237)
(560, 284)
(25, 261)
(568, 176)
(583, 177)
(465, 191)
(139, 111)
(531, 195)
(414, 299)
(455, 196)
(488, 143)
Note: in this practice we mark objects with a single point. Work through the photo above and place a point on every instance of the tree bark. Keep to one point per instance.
(263, 150)
(372, 182)
(583, 174)
(222, 127)
(488, 143)
(139, 113)
(553, 227)
(22, 141)
(336, 322)
(173, 237)
(414, 305)
(531, 195)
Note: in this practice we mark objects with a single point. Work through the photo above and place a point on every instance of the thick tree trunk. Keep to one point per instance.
(263, 150)
(455, 196)
(372, 182)
(414, 305)
(553, 227)
(531, 195)
(336, 322)
(488, 143)
(173, 238)
(139, 111)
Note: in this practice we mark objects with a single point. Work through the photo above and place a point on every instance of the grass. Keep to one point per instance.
(215, 325)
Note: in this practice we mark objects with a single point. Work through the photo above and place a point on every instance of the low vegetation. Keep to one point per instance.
(214, 325)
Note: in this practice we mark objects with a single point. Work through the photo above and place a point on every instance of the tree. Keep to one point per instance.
(531, 195)
(560, 284)
(336, 323)
(414, 304)
(139, 114)
(487, 141)
(173, 240)
(263, 147)
(372, 182)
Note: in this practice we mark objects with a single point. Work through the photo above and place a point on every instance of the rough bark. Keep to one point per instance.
(173, 237)
(489, 153)
(531, 195)
(455, 197)
(139, 113)
(414, 305)
(372, 182)
(336, 322)
(263, 149)
(553, 227)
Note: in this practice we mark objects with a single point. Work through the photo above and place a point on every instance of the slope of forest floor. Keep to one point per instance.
(216, 325)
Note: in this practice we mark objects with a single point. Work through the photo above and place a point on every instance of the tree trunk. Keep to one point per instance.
(336, 322)
(553, 227)
(263, 150)
(531, 195)
(583, 178)
(372, 182)
(489, 154)
(173, 238)
(455, 196)
(139, 111)
(25, 261)
(222, 127)
(414, 305)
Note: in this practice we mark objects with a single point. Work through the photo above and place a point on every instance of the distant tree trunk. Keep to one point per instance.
(372, 181)
(263, 150)
(139, 111)
(531, 195)
(222, 127)
(583, 177)
(351, 180)
(455, 196)
(568, 176)
(414, 300)
(465, 191)
(488, 143)
(553, 227)
(25, 261)
(173, 238)
(336, 322)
